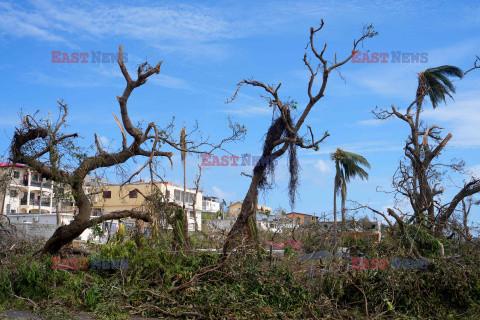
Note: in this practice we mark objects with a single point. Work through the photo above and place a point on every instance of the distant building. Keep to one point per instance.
(301, 218)
(264, 221)
(234, 209)
(211, 204)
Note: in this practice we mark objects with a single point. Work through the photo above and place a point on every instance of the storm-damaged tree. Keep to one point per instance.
(196, 183)
(183, 156)
(284, 132)
(459, 224)
(40, 144)
(421, 173)
(347, 166)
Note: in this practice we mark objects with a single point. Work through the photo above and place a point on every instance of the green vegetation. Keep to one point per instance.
(162, 283)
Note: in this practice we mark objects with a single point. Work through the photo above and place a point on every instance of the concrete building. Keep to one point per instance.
(211, 204)
(24, 190)
(234, 209)
(117, 197)
(301, 219)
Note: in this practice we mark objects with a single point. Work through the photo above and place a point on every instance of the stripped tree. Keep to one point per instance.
(40, 144)
(419, 177)
(284, 133)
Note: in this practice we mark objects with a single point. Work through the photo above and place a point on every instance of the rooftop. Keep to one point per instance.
(301, 214)
(9, 164)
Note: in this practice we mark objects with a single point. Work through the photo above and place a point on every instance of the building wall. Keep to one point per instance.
(123, 198)
(32, 231)
(42, 225)
(301, 218)
(234, 209)
(226, 224)
(209, 205)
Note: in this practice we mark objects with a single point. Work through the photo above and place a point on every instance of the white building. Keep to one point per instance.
(25, 191)
(212, 204)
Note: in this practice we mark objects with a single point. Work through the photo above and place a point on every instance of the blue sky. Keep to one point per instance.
(207, 47)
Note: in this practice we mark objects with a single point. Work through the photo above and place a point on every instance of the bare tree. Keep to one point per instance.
(41, 145)
(283, 133)
(466, 208)
(197, 189)
(421, 173)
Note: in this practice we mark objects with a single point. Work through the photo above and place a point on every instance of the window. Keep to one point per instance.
(13, 193)
(192, 215)
(35, 177)
(16, 174)
(177, 195)
(133, 194)
(107, 194)
(168, 194)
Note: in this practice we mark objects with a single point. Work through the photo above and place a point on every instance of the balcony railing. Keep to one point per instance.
(46, 185)
(23, 202)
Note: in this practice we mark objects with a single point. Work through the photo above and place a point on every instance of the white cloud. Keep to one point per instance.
(17, 22)
(371, 122)
(475, 171)
(461, 118)
(170, 82)
(323, 166)
(103, 141)
(227, 196)
(400, 79)
(361, 147)
(248, 111)
(190, 29)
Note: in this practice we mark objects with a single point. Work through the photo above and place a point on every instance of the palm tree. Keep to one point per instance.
(183, 145)
(435, 83)
(347, 166)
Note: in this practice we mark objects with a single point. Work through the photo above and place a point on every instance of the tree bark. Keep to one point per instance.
(66, 234)
(342, 228)
(240, 226)
(334, 217)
